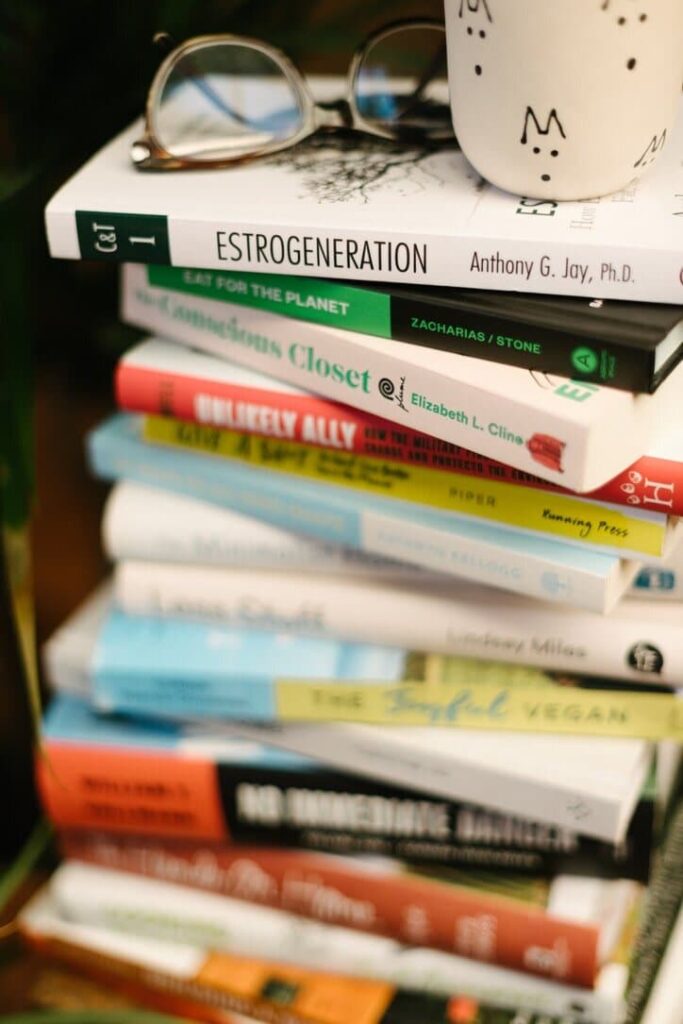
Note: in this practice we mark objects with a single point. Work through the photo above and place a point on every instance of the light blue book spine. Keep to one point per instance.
(440, 541)
(72, 719)
(174, 669)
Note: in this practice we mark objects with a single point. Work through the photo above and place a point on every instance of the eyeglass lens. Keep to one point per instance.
(224, 99)
(402, 85)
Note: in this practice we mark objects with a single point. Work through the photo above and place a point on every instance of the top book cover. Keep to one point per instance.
(355, 208)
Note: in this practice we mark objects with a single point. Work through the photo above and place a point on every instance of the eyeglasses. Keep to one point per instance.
(220, 100)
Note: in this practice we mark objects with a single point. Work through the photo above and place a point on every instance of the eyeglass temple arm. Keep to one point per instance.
(334, 114)
(427, 77)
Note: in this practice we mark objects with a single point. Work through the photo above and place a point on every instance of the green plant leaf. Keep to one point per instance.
(29, 856)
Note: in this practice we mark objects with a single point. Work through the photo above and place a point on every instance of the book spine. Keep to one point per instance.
(140, 794)
(452, 694)
(541, 430)
(632, 532)
(559, 710)
(158, 989)
(433, 321)
(440, 543)
(652, 274)
(651, 483)
(382, 756)
(145, 524)
(378, 904)
(218, 986)
(280, 811)
(454, 622)
(155, 793)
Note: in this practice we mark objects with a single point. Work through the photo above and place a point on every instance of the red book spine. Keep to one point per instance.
(393, 903)
(651, 483)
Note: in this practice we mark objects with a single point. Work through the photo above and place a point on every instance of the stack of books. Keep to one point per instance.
(378, 717)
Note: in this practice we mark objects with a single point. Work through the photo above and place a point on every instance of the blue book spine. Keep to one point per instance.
(440, 541)
(169, 668)
(73, 720)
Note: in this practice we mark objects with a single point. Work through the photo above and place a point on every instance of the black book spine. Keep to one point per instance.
(564, 339)
(336, 813)
(486, 335)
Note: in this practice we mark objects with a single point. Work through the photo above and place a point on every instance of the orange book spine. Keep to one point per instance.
(224, 985)
(389, 902)
(127, 790)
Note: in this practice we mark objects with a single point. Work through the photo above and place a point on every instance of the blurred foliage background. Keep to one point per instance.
(72, 73)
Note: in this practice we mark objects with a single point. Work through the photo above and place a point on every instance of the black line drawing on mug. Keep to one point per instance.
(553, 125)
(651, 152)
(475, 7)
(623, 20)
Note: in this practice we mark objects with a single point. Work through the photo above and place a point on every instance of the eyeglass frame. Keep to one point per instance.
(147, 153)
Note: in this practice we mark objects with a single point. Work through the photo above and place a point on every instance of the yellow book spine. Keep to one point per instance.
(513, 505)
(556, 709)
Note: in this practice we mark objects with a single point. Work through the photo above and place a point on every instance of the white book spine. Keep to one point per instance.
(146, 524)
(423, 217)
(522, 571)
(561, 266)
(444, 619)
(577, 436)
(382, 753)
(110, 900)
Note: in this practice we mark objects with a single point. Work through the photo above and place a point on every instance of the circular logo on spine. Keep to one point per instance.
(646, 658)
(585, 359)
(387, 388)
(554, 584)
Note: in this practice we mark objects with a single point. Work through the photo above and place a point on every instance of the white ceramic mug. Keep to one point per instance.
(564, 99)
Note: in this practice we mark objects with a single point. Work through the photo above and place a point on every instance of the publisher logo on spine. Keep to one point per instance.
(547, 450)
(388, 390)
(138, 237)
(555, 585)
(646, 658)
(584, 359)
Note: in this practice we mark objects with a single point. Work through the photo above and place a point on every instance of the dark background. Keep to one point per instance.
(73, 73)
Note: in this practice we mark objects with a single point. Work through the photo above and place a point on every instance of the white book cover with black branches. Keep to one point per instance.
(352, 206)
